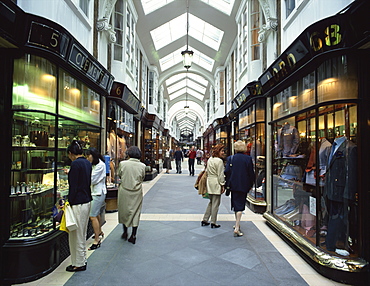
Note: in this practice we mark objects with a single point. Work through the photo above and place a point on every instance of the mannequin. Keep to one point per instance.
(339, 192)
(288, 140)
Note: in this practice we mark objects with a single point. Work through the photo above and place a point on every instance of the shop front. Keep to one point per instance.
(209, 141)
(53, 92)
(153, 143)
(122, 106)
(251, 122)
(318, 96)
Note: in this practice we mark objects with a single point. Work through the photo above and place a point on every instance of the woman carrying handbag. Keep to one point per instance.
(240, 179)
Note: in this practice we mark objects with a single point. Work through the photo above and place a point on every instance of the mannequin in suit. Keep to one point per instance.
(288, 140)
(340, 190)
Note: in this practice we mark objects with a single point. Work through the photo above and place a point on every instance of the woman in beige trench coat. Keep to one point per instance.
(130, 192)
(215, 185)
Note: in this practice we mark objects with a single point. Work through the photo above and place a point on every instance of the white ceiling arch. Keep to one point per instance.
(178, 109)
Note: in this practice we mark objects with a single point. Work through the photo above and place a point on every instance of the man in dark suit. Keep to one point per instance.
(179, 157)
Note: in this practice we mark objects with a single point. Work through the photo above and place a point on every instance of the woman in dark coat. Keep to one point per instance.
(239, 178)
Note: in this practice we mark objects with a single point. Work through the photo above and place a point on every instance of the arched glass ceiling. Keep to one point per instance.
(189, 91)
(180, 76)
(176, 28)
(185, 82)
(225, 6)
(198, 58)
(150, 6)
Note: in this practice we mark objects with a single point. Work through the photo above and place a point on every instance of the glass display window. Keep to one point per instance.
(76, 100)
(315, 175)
(38, 183)
(337, 80)
(298, 96)
(34, 84)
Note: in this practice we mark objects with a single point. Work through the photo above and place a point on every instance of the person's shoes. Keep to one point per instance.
(101, 234)
(71, 268)
(239, 228)
(95, 246)
(238, 233)
(132, 239)
(213, 225)
(124, 236)
(204, 223)
(180, 172)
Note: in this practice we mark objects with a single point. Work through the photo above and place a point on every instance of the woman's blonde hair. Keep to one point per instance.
(240, 146)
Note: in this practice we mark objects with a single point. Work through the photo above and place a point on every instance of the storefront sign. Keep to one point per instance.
(48, 38)
(130, 101)
(89, 66)
(251, 90)
(320, 37)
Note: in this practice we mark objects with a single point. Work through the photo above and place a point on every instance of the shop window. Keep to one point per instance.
(315, 176)
(337, 80)
(34, 84)
(76, 100)
(296, 97)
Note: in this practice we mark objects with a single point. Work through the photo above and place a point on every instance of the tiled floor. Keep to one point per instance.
(173, 249)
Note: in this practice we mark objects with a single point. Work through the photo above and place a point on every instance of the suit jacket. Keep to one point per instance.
(341, 173)
(240, 176)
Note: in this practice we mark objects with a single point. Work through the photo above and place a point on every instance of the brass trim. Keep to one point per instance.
(256, 202)
(314, 253)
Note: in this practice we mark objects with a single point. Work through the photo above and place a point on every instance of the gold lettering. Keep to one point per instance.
(118, 91)
(333, 36)
(291, 60)
(315, 42)
(275, 74)
(282, 66)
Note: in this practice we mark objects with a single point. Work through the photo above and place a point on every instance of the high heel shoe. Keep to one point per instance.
(95, 246)
(132, 239)
(213, 225)
(204, 223)
(238, 233)
(100, 234)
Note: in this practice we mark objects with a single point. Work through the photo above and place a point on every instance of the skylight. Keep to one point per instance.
(183, 92)
(176, 28)
(151, 5)
(183, 83)
(191, 76)
(225, 6)
(198, 58)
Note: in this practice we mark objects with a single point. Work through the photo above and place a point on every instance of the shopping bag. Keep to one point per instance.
(68, 222)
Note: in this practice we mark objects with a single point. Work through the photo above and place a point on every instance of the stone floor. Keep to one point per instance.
(173, 249)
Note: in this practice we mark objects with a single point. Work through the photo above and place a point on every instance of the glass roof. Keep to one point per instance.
(176, 28)
(151, 5)
(198, 58)
(225, 6)
(189, 91)
(185, 82)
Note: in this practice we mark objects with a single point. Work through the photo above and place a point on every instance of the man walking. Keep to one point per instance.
(192, 155)
(179, 157)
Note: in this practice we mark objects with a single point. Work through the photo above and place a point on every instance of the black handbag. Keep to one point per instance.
(228, 187)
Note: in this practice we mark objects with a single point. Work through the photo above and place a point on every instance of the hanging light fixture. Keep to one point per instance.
(187, 55)
(186, 107)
